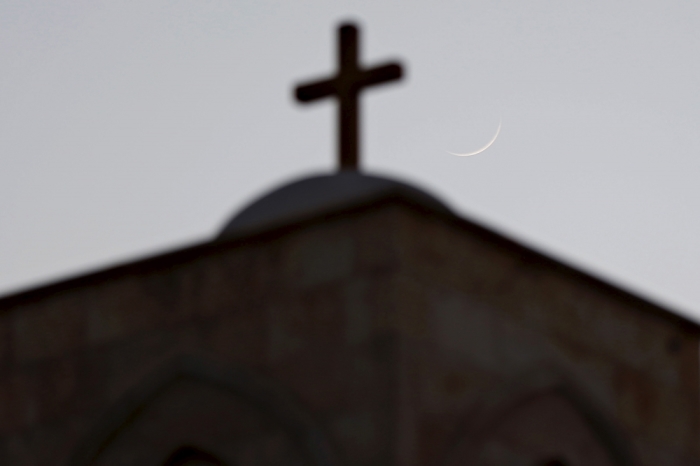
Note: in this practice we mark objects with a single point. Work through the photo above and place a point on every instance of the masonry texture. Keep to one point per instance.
(384, 335)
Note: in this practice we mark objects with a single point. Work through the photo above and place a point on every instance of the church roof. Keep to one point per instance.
(314, 199)
(317, 195)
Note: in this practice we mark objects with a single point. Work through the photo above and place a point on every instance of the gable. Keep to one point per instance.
(390, 323)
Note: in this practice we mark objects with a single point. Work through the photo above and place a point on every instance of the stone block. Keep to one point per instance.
(48, 328)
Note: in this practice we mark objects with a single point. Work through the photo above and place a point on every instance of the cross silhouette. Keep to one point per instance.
(346, 86)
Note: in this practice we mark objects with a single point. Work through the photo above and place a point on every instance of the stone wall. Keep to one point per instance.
(387, 335)
(497, 323)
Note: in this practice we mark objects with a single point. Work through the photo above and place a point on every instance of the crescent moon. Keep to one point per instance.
(493, 139)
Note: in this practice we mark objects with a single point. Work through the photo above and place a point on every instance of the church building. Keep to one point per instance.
(344, 320)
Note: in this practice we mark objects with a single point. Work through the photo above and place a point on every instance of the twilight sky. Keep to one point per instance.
(131, 128)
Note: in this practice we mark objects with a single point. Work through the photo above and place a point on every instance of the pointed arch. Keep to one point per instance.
(252, 389)
(499, 404)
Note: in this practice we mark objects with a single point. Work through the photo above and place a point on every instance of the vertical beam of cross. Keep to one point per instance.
(345, 86)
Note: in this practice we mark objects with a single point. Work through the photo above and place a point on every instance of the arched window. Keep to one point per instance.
(545, 428)
(192, 456)
(191, 412)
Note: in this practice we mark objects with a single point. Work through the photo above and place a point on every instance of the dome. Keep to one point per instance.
(322, 194)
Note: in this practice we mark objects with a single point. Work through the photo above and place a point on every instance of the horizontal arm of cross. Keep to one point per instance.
(381, 74)
(333, 86)
(317, 90)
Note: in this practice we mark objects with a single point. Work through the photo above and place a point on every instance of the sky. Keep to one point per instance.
(132, 128)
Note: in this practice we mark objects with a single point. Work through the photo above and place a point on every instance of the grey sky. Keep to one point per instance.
(129, 128)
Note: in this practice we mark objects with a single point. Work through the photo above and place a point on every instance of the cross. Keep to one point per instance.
(346, 86)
